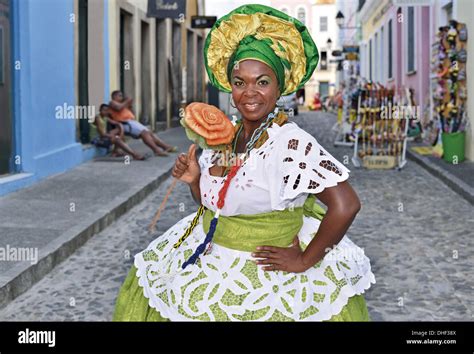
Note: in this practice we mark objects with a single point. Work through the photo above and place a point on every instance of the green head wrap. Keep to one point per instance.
(261, 33)
(252, 48)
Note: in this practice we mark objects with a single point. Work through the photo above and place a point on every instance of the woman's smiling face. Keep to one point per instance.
(255, 89)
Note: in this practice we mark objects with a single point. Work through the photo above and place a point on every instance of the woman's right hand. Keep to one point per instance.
(187, 168)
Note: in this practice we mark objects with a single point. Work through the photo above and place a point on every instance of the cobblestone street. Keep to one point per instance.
(416, 231)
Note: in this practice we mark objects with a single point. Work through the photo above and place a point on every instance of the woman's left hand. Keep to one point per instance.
(288, 259)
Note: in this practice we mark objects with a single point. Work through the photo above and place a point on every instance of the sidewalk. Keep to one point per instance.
(458, 177)
(58, 215)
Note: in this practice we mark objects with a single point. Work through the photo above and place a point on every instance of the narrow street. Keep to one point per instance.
(416, 231)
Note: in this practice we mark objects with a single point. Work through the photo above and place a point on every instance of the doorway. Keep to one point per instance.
(323, 89)
(398, 51)
(175, 70)
(6, 133)
(161, 73)
(83, 75)
(145, 75)
(190, 67)
(126, 54)
(200, 94)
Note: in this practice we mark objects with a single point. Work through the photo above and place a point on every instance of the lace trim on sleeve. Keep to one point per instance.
(207, 158)
(304, 166)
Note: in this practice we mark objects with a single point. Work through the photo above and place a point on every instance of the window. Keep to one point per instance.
(301, 15)
(411, 39)
(285, 10)
(362, 60)
(390, 63)
(382, 55)
(323, 23)
(324, 60)
(2, 59)
(370, 60)
(323, 89)
(376, 57)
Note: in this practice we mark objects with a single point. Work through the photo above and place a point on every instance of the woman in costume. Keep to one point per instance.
(259, 248)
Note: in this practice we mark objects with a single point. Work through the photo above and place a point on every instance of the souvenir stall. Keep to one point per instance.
(383, 118)
(344, 127)
(345, 124)
(449, 91)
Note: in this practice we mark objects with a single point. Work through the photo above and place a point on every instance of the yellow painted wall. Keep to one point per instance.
(138, 9)
(368, 26)
(113, 48)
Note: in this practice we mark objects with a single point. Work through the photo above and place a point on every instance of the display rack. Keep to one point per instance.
(381, 126)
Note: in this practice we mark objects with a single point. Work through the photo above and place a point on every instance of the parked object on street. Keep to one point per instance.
(289, 104)
(316, 104)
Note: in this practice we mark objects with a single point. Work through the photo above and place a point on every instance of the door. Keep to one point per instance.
(190, 67)
(127, 83)
(161, 72)
(145, 114)
(175, 73)
(323, 89)
(200, 93)
(6, 133)
(398, 50)
(83, 69)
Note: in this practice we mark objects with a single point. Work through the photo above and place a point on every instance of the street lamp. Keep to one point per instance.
(340, 21)
(329, 43)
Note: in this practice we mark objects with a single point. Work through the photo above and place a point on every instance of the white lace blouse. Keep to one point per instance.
(278, 175)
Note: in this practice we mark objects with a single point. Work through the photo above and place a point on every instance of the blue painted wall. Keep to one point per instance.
(48, 145)
(43, 43)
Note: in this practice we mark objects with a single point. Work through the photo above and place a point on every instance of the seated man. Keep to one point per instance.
(103, 137)
(120, 111)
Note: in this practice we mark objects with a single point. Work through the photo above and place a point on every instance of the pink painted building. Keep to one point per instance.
(395, 46)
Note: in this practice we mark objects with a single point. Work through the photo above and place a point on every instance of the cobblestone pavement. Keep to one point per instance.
(416, 231)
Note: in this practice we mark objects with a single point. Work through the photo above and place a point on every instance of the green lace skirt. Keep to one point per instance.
(132, 305)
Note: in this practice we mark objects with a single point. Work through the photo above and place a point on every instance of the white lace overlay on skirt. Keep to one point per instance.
(225, 284)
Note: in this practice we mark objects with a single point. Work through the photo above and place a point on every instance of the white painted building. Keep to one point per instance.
(348, 35)
(325, 34)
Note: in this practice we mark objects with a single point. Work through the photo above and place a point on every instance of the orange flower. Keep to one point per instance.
(210, 123)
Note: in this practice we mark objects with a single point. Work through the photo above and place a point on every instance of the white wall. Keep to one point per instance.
(220, 8)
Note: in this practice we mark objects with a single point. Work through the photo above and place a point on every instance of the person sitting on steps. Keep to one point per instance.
(120, 111)
(106, 132)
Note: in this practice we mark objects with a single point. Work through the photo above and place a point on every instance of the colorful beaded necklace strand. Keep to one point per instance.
(223, 191)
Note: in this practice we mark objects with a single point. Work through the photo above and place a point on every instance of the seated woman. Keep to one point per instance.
(259, 248)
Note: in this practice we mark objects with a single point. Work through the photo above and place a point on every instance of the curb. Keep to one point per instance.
(22, 277)
(447, 178)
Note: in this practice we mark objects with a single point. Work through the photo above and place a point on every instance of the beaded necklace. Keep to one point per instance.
(257, 134)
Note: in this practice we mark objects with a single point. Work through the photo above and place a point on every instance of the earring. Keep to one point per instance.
(232, 102)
